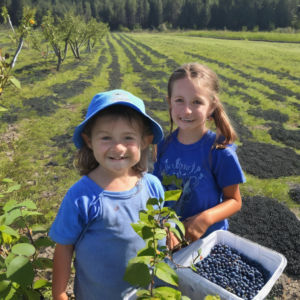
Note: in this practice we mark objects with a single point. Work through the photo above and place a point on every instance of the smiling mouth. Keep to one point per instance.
(186, 120)
(118, 158)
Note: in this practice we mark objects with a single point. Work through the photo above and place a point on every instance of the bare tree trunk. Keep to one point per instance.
(66, 49)
(17, 51)
(88, 48)
(11, 26)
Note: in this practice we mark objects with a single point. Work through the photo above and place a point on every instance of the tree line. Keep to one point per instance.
(183, 14)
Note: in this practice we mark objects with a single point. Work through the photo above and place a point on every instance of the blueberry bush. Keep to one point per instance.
(149, 262)
(19, 261)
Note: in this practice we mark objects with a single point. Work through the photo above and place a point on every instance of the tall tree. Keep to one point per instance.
(155, 13)
(130, 11)
(172, 10)
(142, 12)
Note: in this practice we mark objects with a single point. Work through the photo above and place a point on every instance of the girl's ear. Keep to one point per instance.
(87, 140)
(169, 101)
(146, 141)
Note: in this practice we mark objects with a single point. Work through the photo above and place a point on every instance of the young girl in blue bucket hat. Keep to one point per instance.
(95, 215)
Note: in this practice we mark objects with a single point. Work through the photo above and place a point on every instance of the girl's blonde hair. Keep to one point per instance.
(85, 161)
(208, 79)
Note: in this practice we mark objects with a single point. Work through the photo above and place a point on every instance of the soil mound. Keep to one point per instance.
(268, 161)
(295, 194)
(271, 224)
(269, 115)
(70, 89)
(290, 138)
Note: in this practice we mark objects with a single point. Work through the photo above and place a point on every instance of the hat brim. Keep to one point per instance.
(155, 127)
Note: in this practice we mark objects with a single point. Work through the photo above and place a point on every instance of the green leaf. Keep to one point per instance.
(137, 274)
(166, 273)
(152, 201)
(12, 216)
(146, 252)
(20, 271)
(150, 207)
(10, 205)
(43, 242)
(13, 188)
(184, 298)
(33, 295)
(7, 180)
(192, 266)
(28, 204)
(23, 249)
(5, 287)
(41, 283)
(15, 81)
(199, 251)
(9, 258)
(25, 239)
(27, 213)
(39, 229)
(6, 290)
(179, 224)
(161, 200)
(142, 292)
(176, 232)
(38, 264)
(140, 259)
(47, 262)
(173, 195)
(160, 234)
(2, 277)
(21, 223)
(9, 231)
(7, 239)
(167, 293)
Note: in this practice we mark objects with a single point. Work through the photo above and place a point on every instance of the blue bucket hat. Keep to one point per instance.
(120, 97)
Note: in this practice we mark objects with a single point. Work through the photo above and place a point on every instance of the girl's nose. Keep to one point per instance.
(118, 147)
(186, 109)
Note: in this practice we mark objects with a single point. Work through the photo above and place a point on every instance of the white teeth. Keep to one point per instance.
(187, 120)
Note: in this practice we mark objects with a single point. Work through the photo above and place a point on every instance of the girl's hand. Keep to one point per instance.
(171, 239)
(196, 226)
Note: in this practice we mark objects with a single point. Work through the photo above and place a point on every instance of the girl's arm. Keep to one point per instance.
(61, 270)
(197, 225)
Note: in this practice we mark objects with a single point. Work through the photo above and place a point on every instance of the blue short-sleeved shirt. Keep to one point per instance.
(98, 222)
(204, 173)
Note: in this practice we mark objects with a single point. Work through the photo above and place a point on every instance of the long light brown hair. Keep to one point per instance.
(85, 161)
(207, 79)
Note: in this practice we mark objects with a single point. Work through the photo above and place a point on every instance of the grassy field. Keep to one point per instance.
(260, 88)
(244, 35)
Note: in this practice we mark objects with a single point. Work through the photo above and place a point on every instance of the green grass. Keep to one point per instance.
(227, 34)
(34, 147)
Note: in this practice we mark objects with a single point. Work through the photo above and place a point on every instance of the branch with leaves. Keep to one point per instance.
(5, 76)
(22, 31)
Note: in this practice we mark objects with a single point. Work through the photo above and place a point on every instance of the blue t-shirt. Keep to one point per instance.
(204, 173)
(98, 222)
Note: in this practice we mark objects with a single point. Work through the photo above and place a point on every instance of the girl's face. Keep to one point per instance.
(190, 105)
(116, 144)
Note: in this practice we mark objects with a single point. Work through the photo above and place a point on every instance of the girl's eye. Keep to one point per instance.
(128, 138)
(197, 102)
(106, 138)
(178, 100)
